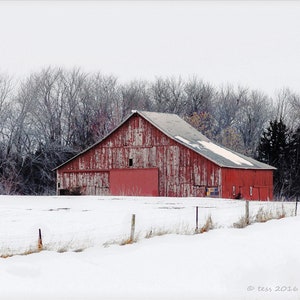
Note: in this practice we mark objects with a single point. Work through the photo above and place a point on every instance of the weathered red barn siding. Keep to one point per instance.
(181, 171)
(251, 184)
(139, 159)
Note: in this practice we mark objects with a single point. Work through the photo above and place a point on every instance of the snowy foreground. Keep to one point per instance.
(84, 260)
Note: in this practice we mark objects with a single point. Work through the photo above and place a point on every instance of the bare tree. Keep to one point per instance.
(75, 84)
(37, 129)
(228, 102)
(205, 123)
(9, 158)
(50, 91)
(55, 113)
(135, 96)
(295, 105)
(252, 117)
(200, 96)
(98, 110)
(167, 95)
(287, 104)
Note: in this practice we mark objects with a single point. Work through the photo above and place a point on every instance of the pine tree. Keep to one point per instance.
(274, 149)
(295, 156)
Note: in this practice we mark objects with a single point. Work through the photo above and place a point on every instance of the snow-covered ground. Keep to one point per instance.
(84, 260)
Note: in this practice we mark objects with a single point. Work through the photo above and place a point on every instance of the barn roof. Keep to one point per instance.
(179, 130)
(182, 132)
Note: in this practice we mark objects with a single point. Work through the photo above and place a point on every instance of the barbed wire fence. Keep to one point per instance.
(166, 219)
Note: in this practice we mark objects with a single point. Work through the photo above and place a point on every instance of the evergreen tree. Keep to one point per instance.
(274, 149)
(295, 156)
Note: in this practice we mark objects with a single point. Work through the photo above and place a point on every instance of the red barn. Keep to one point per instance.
(157, 154)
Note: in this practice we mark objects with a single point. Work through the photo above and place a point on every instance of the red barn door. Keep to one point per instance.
(134, 182)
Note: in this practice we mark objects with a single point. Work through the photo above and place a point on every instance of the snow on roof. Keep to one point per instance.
(225, 153)
(179, 130)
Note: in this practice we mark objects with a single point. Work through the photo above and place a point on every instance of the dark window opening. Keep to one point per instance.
(130, 162)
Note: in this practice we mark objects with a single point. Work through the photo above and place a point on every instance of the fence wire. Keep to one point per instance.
(71, 230)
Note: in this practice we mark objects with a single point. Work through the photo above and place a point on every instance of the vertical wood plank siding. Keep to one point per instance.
(181, 171)
(252, 184)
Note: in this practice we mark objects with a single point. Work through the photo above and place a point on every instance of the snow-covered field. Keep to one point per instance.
(84, 260)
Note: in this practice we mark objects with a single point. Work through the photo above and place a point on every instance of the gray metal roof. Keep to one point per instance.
(180, 131)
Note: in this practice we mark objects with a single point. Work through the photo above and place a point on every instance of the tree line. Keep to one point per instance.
(55, 113)
(280, 147)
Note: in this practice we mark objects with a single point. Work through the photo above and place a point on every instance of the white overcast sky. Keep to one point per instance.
(254, 44)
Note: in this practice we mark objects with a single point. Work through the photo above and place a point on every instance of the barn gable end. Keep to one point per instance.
(154, 154)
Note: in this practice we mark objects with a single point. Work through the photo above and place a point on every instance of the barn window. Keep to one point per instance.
(130, 162)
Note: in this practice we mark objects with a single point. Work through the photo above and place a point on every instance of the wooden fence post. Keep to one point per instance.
(196, 230)
(296, 205)
(132, 228)
(247, 212)
(40, 242)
